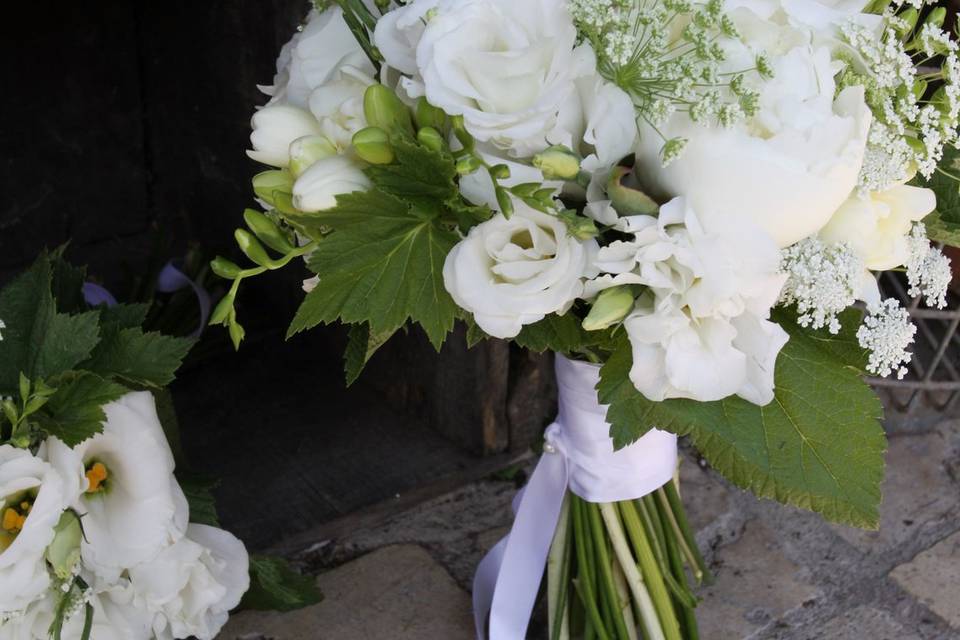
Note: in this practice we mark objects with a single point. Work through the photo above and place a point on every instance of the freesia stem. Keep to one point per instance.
(648, 612)
(585, 581)
(558, 576)
(673, 510)
(605, 571)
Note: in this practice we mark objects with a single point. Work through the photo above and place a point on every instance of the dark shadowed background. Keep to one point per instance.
(123, 132)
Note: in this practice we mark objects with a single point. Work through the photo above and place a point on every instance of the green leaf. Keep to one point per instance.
(939, 230)
(148, 359)
(361, 345)
(122, 316)
(75, 412)
(382, 265)
(819, 444)
(67, 284)
(199, 492)
(418, 175)
(946, 187)
(554, 333)
(843, 346)
(39, 341)
(274, 585)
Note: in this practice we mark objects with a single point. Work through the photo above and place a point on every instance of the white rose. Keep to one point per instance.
(509, 68)
(338, 105)
(313, 55)
(275, 127)
(32, 497)
(132, 507)
(193, 584)
(512, 272)
(876, 225)
(788, 169)
(318, 187)
(700, 330)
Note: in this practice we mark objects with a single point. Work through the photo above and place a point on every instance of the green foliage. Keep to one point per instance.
(274, 585)
(199, 492)
(943, 225)
(554, 333)
(939, 230)
(819, 445)
(65, 361)
(361, 345)
(383, 263)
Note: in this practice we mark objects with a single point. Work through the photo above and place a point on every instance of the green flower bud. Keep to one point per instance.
(909, 17)
(10, 410)
(267, 231)
(223, 310)
(460, 131)
(431, 138)
(252, 248)
(610, 307)
(428, 115)
(373, 145)
(629, 201)
(525, 190)
(580, 227)
(224, 268)
(506, 204)
(557, 163)
(500, 172)
(937, 17)
(468, 164)
(267, 183)
(384, 109)
(307, 150)
(63, 554)
(236, 332)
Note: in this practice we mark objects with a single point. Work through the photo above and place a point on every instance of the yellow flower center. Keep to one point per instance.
(97, 474)
(12, 521)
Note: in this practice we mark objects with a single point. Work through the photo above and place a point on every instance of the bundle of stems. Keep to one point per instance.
(619, 571)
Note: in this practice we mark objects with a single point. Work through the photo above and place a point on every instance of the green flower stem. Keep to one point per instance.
(585, 582)
(558, 576)
(626, 603)
(687, 617)
(648, 611)
(607, 585)
(647, 508)
(677, 517)
(651, 571)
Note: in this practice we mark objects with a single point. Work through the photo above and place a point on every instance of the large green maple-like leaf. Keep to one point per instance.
(38, 341)
(75, 412)
(361, 345)
(819, 445)
(141, 358)
(382, 265)
(947, 189)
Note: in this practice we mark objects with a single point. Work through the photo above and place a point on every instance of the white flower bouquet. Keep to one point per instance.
(98, 538)
(687, 201)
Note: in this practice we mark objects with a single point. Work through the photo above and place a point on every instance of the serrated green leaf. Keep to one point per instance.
(361, 345)
(946, 187)
(122, 316)
(75, 412)
(275, 586)
(38, 340)
(418, 174)
(475, 334)
(561, 333)
(939, 230)
(843, 346)
(67, 284)
(199, 492)
(819, 445)
(382, 265)
(148, 359)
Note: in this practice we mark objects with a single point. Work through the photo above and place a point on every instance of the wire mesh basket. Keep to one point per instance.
(931, 390)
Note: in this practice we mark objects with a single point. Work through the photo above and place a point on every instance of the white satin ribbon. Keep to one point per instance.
(578, 453)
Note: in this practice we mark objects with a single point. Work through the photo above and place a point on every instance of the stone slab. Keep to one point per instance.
(755, 584)
(859, 623)
(933, 577)
(395, 593)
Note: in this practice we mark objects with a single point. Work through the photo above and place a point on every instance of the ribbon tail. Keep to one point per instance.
(172, 279)
(508, 579)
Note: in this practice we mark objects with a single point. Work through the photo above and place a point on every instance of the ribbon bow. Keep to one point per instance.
(579, 455)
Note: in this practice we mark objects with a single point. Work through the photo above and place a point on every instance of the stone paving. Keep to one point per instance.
(781, 573)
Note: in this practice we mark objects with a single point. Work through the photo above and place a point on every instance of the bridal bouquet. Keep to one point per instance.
(687, 201)
(98, 538)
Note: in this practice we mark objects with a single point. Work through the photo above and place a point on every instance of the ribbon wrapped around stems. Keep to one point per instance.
(579, 455)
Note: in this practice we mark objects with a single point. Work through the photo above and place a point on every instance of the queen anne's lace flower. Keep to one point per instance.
(886, 333)
(928, 270)
(823, 280)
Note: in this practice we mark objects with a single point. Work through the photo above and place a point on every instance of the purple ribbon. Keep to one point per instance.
(170, 280)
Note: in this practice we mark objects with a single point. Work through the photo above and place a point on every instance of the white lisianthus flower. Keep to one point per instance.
(509, 68)
(318, 187)
(112, 620)
(32, 497)
(193, 584)
(876, 225)
(338, 105)
(313, 56)
(513, 272)
(700, 330)
(275, 127)
(789, 168)
(610, 124)
(132, 507)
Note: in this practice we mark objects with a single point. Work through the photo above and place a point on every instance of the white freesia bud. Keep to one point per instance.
(131, 506)
(338, 105)
(317, 189)
(194, 583)
(275, 127)
(788, 168)
(509, 68)
(512, 272)
(876, 225)
(32, 497)
(306, 151)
